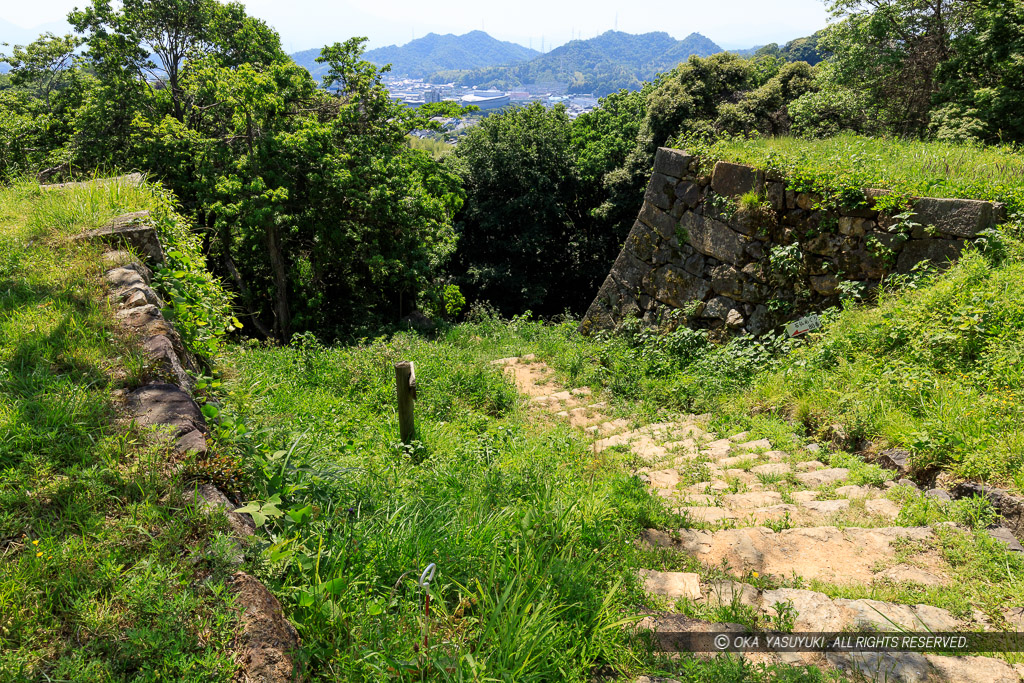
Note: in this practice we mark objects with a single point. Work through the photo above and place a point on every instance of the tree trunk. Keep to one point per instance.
(282, 313)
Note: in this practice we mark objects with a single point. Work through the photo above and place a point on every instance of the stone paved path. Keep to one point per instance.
(756, 512)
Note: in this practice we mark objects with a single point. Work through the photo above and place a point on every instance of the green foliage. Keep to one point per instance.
(919, 71)
(520, 211)
(932, 369)
(107, 573)
(786, 261)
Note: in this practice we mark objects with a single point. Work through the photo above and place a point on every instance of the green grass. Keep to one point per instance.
(934, 370)
(924, 169)
(532, 534)
(105, 573)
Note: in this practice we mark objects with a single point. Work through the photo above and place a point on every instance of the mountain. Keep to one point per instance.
(433, 52)
(609, 62)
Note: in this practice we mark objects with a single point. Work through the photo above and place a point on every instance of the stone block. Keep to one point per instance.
(957, 217)
(658, 219)
(165, 405)
(726, 280)
(661, 191)
(731, 180)
(132, 230)
(937, 251)
(776, 195)
(687, 194)
(672, 162)
(676, 287)
(643, 241)
(826, 285)
(713, 238)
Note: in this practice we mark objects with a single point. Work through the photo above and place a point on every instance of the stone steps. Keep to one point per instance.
(767, 513)
(853, 555)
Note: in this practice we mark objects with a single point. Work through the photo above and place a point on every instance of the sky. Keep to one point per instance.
(305, 24)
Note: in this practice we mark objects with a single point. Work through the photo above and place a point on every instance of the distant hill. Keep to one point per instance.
(433, 52)
(609, 62)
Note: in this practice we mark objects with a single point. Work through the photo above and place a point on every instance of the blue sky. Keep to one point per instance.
(305, 24)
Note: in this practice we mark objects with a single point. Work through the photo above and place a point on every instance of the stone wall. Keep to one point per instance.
(697, 249)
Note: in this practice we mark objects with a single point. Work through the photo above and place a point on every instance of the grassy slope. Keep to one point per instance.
(105, 573)
(924, 169)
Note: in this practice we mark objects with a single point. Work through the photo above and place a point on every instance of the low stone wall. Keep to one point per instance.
(164, 407)
(751, 266)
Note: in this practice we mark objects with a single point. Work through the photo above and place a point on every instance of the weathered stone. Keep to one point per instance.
(724, 593)
(776, 195)
(1006, 537)
(210, 498)
(760, 321)
(694, 264)
(854, 227)
(671, 584)
(1010, 507)
(628, 271)
(895, 459)
(823, 477)
(823, 244)
(826, 285)
(128, 276)
(268, 641)
(140, 316)
(956, 217)
(772, 469)
(643, 241)
(908, 574)
(828, 507)
(658, 219)
(687, 194)
(675, 287)
(719, 308)
(672, 162)
(712, 238)
(814, 611)
(726, 280)
(661, 191)
(165, 405)
(883, 507)
(161, 351)
(938, 494)
(731, 180)
(756, 499)
(132, 230)
(937, 251)
(193, 443)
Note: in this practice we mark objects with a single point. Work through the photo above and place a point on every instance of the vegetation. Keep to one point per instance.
(906, 167)
(532, 534)
(107, 573)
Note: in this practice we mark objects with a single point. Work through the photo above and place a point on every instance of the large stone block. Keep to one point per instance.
(664, 223)
(957, 217)
(629, 271)
(676, 287)
(713, 238)
(735, 179)
(672, 162)
(939, 252)
(643, 241)
(133, 230)
(688, 194)
(661, 191)
(726, 280)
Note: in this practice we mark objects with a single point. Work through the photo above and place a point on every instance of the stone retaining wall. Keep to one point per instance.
(697, 249)
(164, 407)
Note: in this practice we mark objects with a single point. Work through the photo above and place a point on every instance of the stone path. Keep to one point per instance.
(756, 514)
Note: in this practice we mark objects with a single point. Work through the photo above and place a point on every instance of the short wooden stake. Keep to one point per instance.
(405, 382)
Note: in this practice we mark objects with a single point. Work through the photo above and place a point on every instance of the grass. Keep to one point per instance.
(106, 573)
(924, 169)
(531, 532)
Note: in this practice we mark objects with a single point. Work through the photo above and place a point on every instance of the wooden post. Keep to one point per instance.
(405, 381)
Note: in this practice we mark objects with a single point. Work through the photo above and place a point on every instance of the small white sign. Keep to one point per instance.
(803, 325)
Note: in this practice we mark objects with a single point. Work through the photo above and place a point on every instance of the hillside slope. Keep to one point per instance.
(600, 65)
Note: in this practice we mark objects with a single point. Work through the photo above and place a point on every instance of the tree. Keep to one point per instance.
(520, 234)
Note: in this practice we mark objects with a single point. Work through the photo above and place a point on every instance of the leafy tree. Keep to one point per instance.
(317, 207)
(520, 235)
